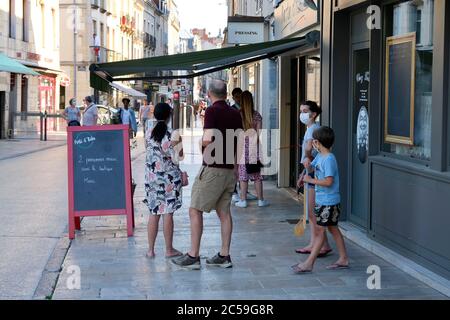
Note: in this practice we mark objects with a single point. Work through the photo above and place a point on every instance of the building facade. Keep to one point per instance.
(385, 91)
(279, 85)
(203, 40)
(156, 19)
(109, 31)
(381, 76)
(29, 34)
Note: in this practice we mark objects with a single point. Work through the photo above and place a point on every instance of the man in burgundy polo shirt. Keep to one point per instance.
(214, 185)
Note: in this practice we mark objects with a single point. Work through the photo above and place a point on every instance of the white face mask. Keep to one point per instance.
(304, 118)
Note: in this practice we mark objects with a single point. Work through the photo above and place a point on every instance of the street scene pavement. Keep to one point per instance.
(109, 265)
(33, 211)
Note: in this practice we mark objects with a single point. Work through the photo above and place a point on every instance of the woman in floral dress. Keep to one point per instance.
(162, 179)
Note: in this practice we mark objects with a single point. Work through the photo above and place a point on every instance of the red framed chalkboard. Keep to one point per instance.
(99, 174)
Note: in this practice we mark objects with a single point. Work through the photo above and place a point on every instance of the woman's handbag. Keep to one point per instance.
(184, 179)
(253, 168)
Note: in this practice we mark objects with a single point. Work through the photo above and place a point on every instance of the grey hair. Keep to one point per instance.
(218, 88)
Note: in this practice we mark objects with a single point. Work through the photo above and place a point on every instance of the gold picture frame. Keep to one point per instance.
(392, 41)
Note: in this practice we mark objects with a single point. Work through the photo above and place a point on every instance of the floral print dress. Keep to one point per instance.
(162, 177)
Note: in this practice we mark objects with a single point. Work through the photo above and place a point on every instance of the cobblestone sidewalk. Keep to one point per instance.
(115, 267)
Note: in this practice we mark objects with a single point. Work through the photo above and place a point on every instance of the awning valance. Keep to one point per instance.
(10, 65)
(194, 63)
(129, 91)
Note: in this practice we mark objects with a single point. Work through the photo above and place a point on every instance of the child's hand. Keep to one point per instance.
(300, 180)
(307, 179)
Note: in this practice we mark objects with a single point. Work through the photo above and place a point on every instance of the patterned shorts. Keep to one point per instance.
(328, 215)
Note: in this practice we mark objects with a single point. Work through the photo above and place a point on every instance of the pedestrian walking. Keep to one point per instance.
(309, 112)
(127, 117)
(215, 182)
(90, 114)
(163, 179)
(250, 163)
(72, 113)
(328, 200)
(144, 115)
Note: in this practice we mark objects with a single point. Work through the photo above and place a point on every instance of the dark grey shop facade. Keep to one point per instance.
(385, 91)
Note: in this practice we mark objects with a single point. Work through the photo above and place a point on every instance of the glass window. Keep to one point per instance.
(402, 19)
(313, 78)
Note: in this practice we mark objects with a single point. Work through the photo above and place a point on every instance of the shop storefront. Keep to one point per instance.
(299, 76)
(385, 93)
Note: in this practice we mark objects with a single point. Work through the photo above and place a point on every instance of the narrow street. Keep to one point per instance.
(113, 266)
(33, 212)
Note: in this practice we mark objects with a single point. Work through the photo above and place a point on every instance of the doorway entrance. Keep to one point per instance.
(359, 213)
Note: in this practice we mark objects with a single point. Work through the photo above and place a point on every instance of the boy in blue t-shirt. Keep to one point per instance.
(328, 200)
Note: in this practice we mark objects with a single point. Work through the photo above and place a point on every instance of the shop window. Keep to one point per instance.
(408, 81)
(313, 79)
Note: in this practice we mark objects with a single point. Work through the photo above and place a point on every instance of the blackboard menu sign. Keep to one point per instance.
(400, 89)
(99, 173)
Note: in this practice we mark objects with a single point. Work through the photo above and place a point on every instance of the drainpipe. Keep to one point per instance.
(75, 34)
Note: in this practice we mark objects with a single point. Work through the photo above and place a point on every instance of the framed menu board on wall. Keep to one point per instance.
(400, 89)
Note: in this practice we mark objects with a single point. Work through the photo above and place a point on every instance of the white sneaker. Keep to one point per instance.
(235, 198)
(241, 204)
(263, 203)
(251, 196)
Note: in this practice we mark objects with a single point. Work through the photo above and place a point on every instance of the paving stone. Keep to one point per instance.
(263, 244)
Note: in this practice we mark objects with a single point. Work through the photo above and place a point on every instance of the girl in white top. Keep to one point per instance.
(309, 112)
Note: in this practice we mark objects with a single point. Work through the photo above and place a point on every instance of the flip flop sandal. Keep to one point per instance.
(178, 254)
(324, 254)
(298, 270)
(302, 251)
(336, 266)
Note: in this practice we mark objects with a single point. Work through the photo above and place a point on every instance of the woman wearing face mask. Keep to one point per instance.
(309, 112)
(163, 179)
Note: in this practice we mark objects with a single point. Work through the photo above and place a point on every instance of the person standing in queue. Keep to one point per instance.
(214, 184)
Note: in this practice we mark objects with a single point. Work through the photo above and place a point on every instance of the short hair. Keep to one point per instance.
(313, 107)
(72, 100)
(236, 91)
(89, 99)
(126, 99)
(325, 135)
(218, 88)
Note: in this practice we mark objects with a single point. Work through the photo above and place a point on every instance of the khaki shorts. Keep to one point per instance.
(213, 189)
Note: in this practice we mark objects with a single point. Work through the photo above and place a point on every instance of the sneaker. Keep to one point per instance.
(218, 261)
(187, 262)
(235, 198)
(251, 196)
(263, 203)
(241, 204)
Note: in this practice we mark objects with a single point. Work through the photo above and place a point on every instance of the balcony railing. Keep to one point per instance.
(104, 55)
(149, 40)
